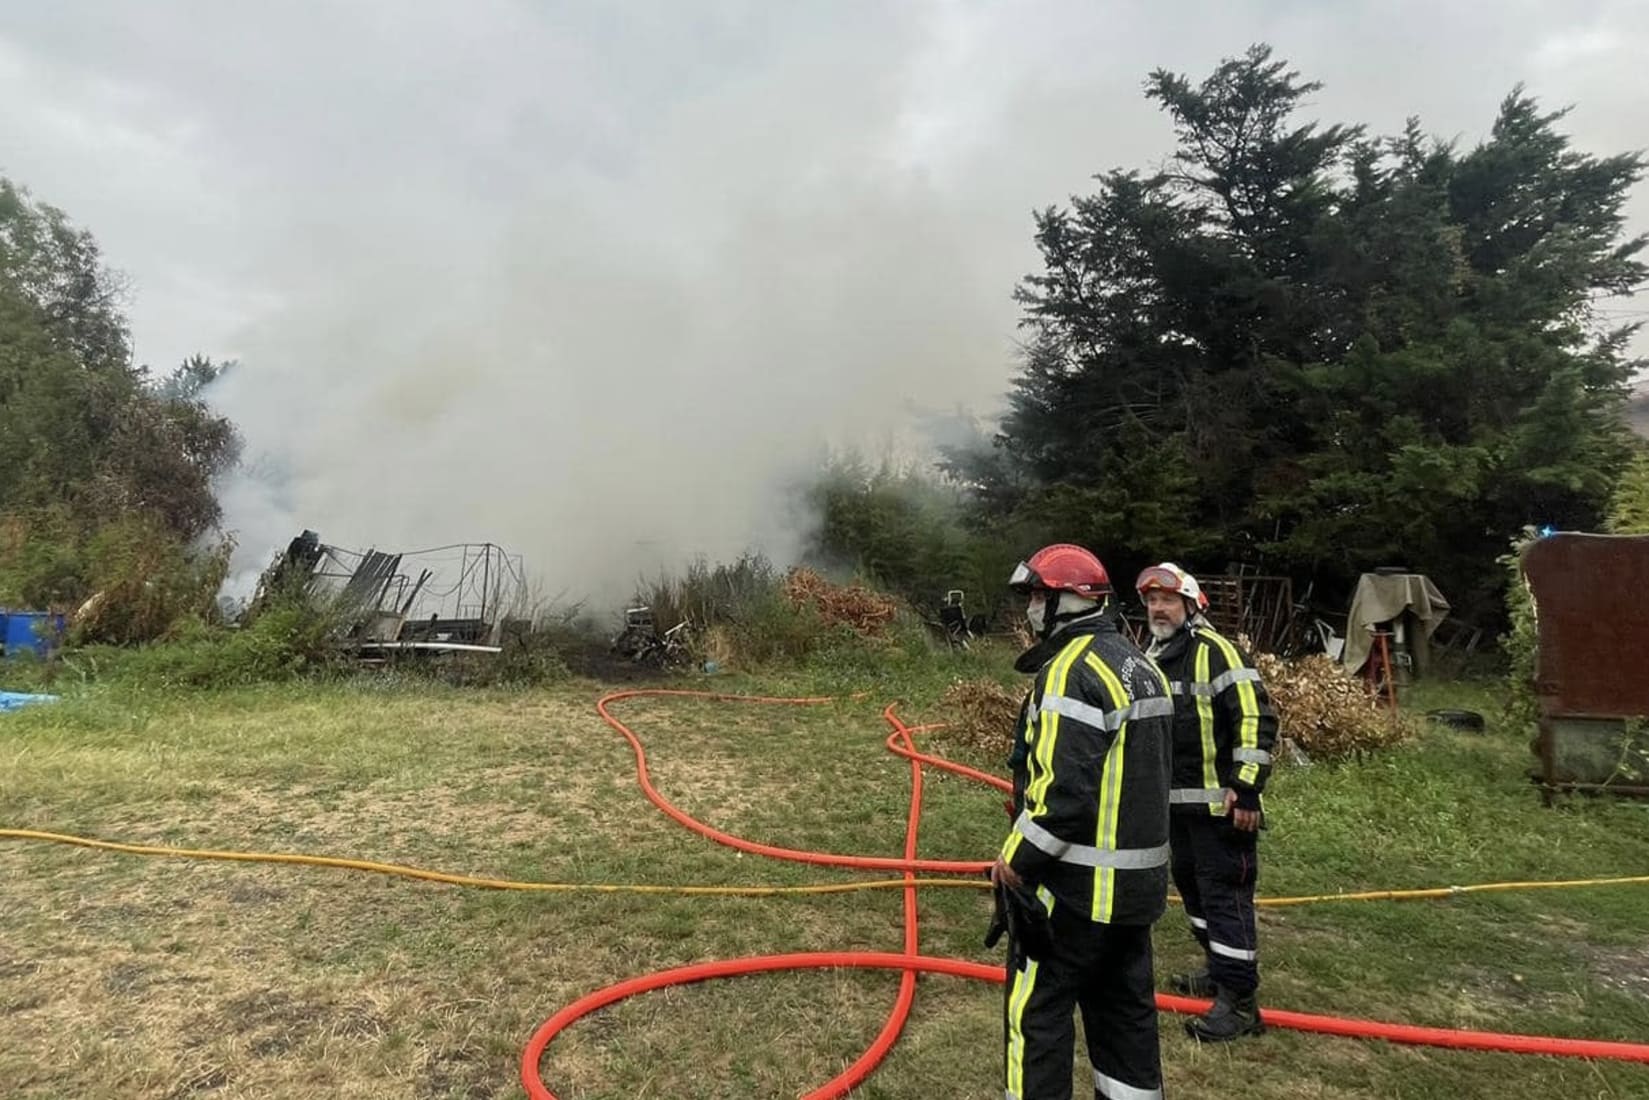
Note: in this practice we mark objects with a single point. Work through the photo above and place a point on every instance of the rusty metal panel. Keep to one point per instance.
(1591, 596)
(1592, 665)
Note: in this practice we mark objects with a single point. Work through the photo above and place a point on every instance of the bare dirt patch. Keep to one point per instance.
(1625, 969)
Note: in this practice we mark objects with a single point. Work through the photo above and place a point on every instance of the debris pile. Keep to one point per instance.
(463, 598)
(980, 715)
(1324, 711)
(864, 610)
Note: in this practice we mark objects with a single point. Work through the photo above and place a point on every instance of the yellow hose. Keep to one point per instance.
(403, 871)
(1450, 891)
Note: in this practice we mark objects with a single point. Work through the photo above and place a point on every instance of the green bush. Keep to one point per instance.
(742, 615)
(147, 584)
(41, 559)
(707, 595)
(910, 534)
(739, 612)
(1629, 507)
(143, 581)
(770, 630)
(285, 642)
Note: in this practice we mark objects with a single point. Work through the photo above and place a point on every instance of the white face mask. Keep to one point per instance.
(1037, 612)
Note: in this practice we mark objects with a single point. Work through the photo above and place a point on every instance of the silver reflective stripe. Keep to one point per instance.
(1198, 922)
(1233, 676)
(1230, 952)
(1217, 684)
(1251, 756)
(1112, 1089)
(1042, 838)
(1077, 709)
(1121, 859)
(1198, 794)
(1158, 706)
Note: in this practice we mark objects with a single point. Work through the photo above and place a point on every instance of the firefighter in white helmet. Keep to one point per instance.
(1224, 732)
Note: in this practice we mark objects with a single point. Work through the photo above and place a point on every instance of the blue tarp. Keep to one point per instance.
(12, 700)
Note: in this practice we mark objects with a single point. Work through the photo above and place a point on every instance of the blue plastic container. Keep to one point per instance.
(35, 631)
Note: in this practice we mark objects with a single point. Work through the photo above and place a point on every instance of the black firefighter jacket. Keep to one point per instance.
(1091, 777)
(1224, 727)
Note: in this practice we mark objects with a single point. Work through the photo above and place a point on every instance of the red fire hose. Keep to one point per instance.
(909, 963)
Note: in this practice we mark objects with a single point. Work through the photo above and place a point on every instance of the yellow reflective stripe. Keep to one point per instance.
(1100, 668)
(1023, 982)
(1110, 797)
(1205, 720)
(1248, 727)
(1042, 759)
(1011, 845)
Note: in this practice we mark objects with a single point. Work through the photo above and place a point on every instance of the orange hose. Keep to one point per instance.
(1482, 1041)
(796, 855)
(867, 1062)
(910, 963)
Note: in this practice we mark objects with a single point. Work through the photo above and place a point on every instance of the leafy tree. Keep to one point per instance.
(1311, 350)
(60, 268)
(87, 439)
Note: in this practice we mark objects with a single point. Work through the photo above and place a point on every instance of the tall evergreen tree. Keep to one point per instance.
(1315, 351)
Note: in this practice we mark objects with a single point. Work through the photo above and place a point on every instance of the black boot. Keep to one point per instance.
(1195, 984)
(1232, 1017)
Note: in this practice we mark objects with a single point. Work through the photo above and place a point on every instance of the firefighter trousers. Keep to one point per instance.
(1215, 866)
(1105, 969)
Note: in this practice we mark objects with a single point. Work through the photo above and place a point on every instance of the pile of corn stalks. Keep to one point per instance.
(1319, 708)
(979, 716)
(1325, 712)
(865, 611)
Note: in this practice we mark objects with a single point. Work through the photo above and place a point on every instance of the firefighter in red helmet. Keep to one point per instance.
(1085, 864)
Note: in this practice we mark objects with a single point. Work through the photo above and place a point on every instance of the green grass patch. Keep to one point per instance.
(159, 978)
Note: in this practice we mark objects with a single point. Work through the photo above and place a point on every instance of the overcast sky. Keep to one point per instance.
(596, 280)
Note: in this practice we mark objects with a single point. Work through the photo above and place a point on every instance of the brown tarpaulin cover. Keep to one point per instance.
(1381, 598)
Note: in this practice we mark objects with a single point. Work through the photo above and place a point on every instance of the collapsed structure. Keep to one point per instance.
(464, 597)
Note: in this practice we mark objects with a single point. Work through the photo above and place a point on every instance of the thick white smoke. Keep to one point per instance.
(612, 371)
(598, 282)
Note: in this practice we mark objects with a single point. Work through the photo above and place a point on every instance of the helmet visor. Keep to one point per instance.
(1024, 578)
(1160, 577)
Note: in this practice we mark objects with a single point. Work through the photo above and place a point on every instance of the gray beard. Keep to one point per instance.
(1162, 631)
